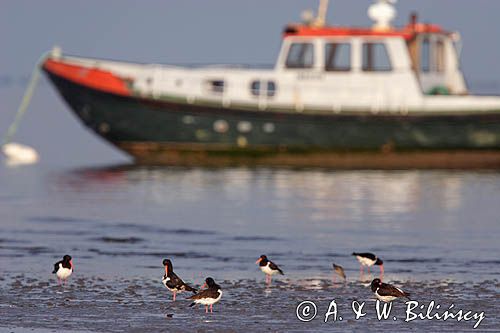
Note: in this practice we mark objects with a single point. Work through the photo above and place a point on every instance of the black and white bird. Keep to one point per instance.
(268, 267)
(172, 282)
(63, 269)
(369, 259)
(208, 296)
(387, 292)
(338, 270)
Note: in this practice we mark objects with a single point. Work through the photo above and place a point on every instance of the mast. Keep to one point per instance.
(321, 17)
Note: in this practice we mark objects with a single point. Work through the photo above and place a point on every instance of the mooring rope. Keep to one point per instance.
(28, 94)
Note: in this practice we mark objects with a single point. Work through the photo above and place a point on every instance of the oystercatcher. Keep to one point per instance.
(268, 267)
(172, 282)
(339, 271)
(387, 292)
(369, 259)
(209, 296)
(63, 269)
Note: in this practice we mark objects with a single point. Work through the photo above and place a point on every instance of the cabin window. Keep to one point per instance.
(261, 88)
(300, 55)
(271, 88)
(376, 58)
(338, 57)
(432, 55)
(439, 52)
(216, 86)
(425, 55)
(255, 88)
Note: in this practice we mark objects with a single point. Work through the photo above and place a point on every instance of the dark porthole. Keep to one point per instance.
(216, 86)
(255, 88)
(271, 88)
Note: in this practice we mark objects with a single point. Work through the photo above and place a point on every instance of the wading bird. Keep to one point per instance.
(268, 267)
(63, 269)
(387, 292)
(208, 296)
(338, 270)
(369, 259)
(172, 282)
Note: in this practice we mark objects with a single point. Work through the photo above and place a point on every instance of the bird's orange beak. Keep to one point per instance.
(166, 269)
(258, 260)
(204, 285)
(71, 264)
(381, 270)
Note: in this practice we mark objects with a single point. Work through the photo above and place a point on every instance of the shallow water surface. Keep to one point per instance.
(437, 233)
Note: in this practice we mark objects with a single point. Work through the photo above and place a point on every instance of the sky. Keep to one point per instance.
(189, 31)
(213, 31)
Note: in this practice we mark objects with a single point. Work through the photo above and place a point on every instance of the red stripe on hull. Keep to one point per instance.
(97, 79)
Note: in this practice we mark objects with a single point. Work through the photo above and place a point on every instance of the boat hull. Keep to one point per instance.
(177, 132)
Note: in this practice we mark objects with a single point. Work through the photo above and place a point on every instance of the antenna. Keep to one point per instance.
(322, 10)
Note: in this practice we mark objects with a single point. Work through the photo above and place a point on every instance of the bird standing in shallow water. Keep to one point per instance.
(369, 259)
(63, 269)
(387, 292)
(268, 267)
(172, 282)
(338, 270)
(209, 296)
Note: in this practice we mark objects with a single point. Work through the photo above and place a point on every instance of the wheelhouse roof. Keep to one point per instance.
(408, 32)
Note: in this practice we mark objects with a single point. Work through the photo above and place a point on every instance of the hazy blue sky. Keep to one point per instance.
(213, 30)
(186, 31)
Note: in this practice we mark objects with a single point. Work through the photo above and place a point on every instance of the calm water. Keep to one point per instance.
(436, 231)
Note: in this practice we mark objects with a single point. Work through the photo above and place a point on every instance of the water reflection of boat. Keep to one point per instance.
(378, 97)
(314, 195)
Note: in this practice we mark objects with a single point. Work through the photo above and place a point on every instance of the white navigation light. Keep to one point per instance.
(382, 12)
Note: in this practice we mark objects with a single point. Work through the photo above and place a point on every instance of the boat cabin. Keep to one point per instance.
(349, 55)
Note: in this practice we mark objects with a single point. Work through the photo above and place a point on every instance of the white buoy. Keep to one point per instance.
(18, 154)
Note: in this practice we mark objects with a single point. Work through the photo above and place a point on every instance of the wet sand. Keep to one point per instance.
(139, 304)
